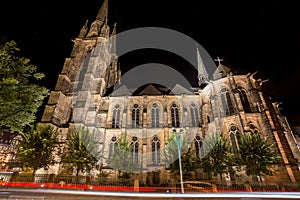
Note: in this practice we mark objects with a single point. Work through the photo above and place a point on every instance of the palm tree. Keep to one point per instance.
(38, 147)
(81, 151)
(122, 158)
(189, 161)
(257, 155)
(219, 158)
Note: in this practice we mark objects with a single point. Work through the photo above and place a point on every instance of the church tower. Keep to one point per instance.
(83, 68)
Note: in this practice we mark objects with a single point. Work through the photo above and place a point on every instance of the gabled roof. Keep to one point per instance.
(121, 91)
(150, 90)
(178, 89)
(221, 72)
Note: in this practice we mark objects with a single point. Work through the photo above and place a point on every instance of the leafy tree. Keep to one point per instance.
(81, 151)
(122, 158)
(257, 155)
(219, 157)
(20, 95)
(38, 147)
(189, 161)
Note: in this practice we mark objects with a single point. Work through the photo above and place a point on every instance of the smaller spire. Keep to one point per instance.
(115, 29)
(83, 30)
(202, 74)
(113, 39)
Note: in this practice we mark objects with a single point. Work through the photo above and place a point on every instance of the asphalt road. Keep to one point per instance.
(50, 194)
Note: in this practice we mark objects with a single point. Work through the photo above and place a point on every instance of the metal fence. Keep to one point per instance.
(119, 184)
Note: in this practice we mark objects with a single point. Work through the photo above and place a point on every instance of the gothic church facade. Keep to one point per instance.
(229, 103)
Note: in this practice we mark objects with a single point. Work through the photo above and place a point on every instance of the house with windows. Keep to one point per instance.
(88, 93)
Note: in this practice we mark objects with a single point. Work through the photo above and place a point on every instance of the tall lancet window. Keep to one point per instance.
(235, 139)
(195, 116)
(154, 116)
(155, 144)
(175, 115)
(116, 117)
(135, 148)
(244, 100)
(198, 145)
(112, 146)
(135, 116)
(226, 102)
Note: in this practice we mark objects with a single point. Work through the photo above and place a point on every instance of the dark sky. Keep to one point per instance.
(251, 35)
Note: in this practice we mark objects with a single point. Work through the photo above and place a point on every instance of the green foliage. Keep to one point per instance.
(189, 161)
(122, 158)
(219, 157)
(20, 95)
(81, 151)
(257, 155)
(37, 147)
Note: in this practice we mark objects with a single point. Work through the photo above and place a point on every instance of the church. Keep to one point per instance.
(90, 92)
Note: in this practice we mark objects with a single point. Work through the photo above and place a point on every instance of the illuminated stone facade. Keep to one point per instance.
(230, 103)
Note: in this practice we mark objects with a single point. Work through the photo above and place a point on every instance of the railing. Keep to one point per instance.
(127, 185)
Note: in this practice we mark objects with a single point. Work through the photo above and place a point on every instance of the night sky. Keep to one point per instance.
(250, 36)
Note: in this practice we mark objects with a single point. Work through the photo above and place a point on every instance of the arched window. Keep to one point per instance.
(226, 102)
(235, 139)
(155, 144)
(135, 148)
(135, 116)
(112, 146)
(244, 100)
(175, 115)
(116, 117)
(213, 109)
(154, 116)
(195, 116)
(198, 145)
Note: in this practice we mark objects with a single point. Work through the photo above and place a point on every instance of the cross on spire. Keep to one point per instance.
(219, 60)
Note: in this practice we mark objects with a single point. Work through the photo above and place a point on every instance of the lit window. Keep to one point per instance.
(226, 102)
(154, 116)
(135, 148)
(244, 99)
(155, 143)
(116, 117)
(194, 116)
(235, 139)
(175, 116)
(198, 147)
(135, 116)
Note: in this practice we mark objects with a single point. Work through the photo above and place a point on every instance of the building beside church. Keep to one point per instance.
(228, 102)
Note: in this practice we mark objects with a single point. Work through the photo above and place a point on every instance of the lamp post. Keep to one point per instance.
(179, 157)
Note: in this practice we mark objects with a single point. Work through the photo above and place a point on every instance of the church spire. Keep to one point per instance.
(202, 74)
(100, 23)
(102, 15)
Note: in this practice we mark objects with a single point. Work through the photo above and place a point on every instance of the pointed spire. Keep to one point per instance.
(100, 23)
(114, 32)
(202, 74)
(103, 12)
(83, 30)
(113, 41)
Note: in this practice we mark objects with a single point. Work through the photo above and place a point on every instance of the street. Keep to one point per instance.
(51, 194)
